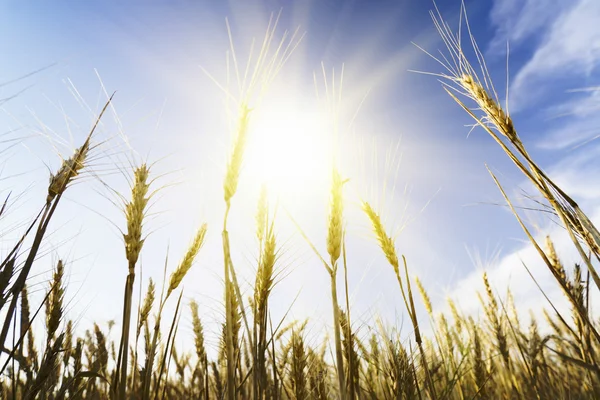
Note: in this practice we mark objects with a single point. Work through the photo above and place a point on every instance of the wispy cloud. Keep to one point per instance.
(518, 20)
(569, 46)
(574, 122)
(557, 46)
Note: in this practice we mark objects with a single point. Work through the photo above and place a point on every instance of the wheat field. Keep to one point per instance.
(458, 356)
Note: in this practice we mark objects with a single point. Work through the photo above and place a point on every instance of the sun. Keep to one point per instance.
(289, 145)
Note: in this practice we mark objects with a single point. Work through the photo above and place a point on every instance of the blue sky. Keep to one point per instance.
(169, 111)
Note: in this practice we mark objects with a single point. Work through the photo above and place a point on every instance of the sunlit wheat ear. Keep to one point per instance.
(494, 112)
(261, 214)
(335, 227)
(555, 263)
(54, 302)
(263, 285)
(135, 211)
(424, 297)
(490, 294)
(68, 171)
(146, 306)
(198, 333)
(444, 328)
(264, 278)
(385, 242)
(236, 317)
(496, 321)
(72, 167)
(24, 315)
(234, 165)
(185, 264)
(68, 343)
(458, 321)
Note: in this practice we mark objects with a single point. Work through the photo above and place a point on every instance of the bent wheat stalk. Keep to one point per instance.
(462, 78)
(59, 182)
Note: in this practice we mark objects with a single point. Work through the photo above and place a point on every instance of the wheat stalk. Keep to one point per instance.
(202, 367)
(135, 211)
(262, 290)
(54, 302)
(334, 247)
(143, 314)
(55, 191)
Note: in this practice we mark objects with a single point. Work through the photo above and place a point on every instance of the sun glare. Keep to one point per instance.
(290, 146)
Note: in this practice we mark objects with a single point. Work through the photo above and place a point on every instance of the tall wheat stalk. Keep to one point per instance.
(335, 235)
(230, 187)
(268, 255)
(135, 211)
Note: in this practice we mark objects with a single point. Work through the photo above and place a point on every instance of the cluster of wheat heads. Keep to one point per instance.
(494, 357)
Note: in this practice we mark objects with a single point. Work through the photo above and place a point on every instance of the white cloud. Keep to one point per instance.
(571, 48)
(574, 122)
(518, 20)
